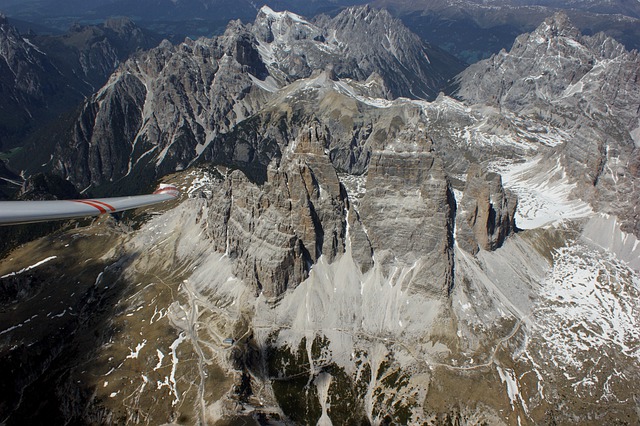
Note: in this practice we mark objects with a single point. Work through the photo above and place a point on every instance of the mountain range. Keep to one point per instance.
(469, 29)
(352, 245)
(167, 108)
(44, 77)
(474, 30)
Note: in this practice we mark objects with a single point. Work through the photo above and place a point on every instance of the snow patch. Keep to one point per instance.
(544, 196)
(170, 381)
(573, 89)
(134, 353)
(269, 84)
(28, 268)
(322, 382)
(160, 358)
(200, 183)
(281, 15)
(355, 185)
(27, 321)
(26, 40)
(590, 304)
(345, 89)
(508, 377)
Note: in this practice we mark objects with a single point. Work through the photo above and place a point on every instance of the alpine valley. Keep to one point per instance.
(369, 232)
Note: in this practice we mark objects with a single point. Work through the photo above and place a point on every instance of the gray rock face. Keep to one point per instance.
(585, 85)
(356, 43)
(555, 64)
(288, 103)
(485, 215)
(274, 232)
(44, 76)
(27, 78)
(379, 43)
(170, 103)
(189, 98)
(475, 29)
(106, 152)
(408, 213)
(276, 229)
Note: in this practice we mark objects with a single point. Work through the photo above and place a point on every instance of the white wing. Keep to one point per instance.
(15, 212)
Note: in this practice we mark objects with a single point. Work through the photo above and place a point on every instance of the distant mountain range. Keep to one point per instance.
(44, 76)
(469, 29)
(176, 104)
(475, 29)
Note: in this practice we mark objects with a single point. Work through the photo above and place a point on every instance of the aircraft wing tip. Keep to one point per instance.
(165, 188)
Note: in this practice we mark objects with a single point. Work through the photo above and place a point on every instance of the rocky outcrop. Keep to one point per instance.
(408, 212)
(90, 53)
(556, 72)
(404, 219)
(106, 152)
(27, 80)
(357, 43)
(539, 66)
(485, 215)
(168, 106)
(45, 186)
(274, 232)
(475, 29)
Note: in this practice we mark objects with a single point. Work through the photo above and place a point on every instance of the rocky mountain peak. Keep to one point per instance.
(558, 25)
(370, 20)
(374, 33)
(266, 13)
(120, 25)
(24, 62)
(486, 212)
(283, 27)
(568, 79)
(604, 46)
(249, 63)
(6, 27)
(543, 64)
(366, 13)
(556, 36)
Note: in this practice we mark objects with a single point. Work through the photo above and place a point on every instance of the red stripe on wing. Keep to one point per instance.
(103, 204)
(167, 189)
(101, 209)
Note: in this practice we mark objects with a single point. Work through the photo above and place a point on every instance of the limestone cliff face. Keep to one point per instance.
(166, 106)
(287, 104)
(275, 232)
(283, 206)
(408, 212)
(380, 43)
(485, 215)
(104, 153)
